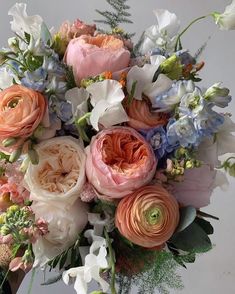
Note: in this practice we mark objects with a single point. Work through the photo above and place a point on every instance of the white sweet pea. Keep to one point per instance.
(22, 23)
(106, 98)
(143, 77)
(6, 78)
(77, 97)
(94, 261)
(225, 139)
(226, 20)
(162, 35)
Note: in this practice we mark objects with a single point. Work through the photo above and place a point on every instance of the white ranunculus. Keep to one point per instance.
(226, 20)
(6, 78)
(64, 225)
(106, 98)
(60, 174)
(22, 23)
(163, 34)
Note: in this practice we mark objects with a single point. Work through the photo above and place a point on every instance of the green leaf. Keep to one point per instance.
(187, 216)
(63, 259)
(205, 225)
(52, 280)
(192, 239)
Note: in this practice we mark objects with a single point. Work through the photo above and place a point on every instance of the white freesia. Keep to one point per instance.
(64, 225)
(163, 34)
(6, 78)
(94, 261)
(22, 23)
(143, 77)
(77, 97)
(226, 20)
(60, 174)
(106, 98)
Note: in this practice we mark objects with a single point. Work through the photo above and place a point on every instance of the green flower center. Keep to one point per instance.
(153, 215)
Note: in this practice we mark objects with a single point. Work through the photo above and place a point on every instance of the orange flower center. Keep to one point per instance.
(123, 152)
(104, 41)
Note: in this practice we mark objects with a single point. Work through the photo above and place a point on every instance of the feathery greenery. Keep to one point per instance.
(118, 16)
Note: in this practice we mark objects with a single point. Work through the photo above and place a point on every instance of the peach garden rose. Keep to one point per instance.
(60, 174)
(90, 56)
(119, 161)
(148, 217)
(21, 111)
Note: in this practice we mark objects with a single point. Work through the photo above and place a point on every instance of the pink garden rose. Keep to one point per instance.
(119, 161)
(90, 56)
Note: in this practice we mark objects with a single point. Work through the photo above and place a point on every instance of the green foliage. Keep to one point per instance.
(119, 16)
(70, 78)
(187, 216)
(162, 276)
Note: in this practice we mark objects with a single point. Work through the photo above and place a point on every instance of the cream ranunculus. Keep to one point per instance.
(60, 174)
(64, 225)
(226, 20)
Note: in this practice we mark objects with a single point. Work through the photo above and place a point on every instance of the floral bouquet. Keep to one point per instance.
(109, 151)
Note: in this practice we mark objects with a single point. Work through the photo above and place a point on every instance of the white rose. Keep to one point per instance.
(60, 174)
(226, 20)
(64, 225)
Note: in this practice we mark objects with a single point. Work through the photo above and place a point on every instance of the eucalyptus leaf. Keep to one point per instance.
(192, 239)
(205, 225)
(187, 216)
(63, 259)
(52, 280)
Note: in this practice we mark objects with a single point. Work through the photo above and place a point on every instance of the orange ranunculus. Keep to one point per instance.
(90, 56)
(119, 161)
(148, 217)
(21, 111)
(141, 117)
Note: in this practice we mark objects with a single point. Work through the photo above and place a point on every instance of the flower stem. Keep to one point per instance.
(111, 262)
(178, 41)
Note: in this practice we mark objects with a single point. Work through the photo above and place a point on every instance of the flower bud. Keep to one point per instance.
(15, 155)
(33, 156)
(172, 67)
(5, 230)
(9, 142)
(13, 43)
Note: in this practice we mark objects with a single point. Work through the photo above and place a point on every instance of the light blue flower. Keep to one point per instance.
(35, 80)
(192, 103)
(168, 99)
(182, 131)
(61, 108)
(207, 121)
(53, 66)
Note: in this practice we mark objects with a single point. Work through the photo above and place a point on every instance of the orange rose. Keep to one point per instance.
(148, 217)
(21, 111)
(141, 117)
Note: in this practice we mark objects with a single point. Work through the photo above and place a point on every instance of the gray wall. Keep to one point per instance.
(215, 271)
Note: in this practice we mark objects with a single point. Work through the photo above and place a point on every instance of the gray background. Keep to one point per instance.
(213, 273)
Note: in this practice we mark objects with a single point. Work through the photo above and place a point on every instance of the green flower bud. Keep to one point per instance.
(59, 44)
(9, 142)
(189, 164)
(5, 230)
(25, 164)
(231, 170)
(2, 218)
(215, 91)
(12, 210)
(15, 155)
(33, 156)
(172, 67)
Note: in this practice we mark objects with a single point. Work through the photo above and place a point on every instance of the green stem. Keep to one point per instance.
(185, 30)
(112, 263)
(225, 162)
(31, 281)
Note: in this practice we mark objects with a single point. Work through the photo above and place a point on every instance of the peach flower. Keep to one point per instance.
(141, 116)
(119, 161)
(60, 174)
(21, 111)
(90, 56)
(78, 28)
(148, 217)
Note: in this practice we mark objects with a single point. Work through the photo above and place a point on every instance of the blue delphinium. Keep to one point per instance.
(35, 80)
(182, 131)
(168, 99)
(157, 138)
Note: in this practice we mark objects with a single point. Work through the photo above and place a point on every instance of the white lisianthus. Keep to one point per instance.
(60, 174)
(64, 226)
(106, 98)
(22, 23)
(163, 34)
(226, 20)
